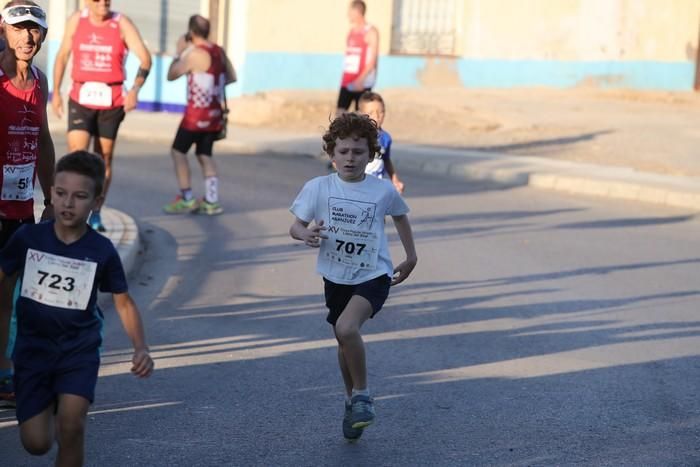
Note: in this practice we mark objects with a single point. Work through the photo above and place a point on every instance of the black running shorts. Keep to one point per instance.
(347, 97)
(374, 290)
(203, 141)
(102, 123)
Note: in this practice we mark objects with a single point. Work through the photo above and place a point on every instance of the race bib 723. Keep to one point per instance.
(58, 281)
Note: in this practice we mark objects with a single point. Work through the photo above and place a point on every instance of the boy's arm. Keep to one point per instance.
(131, 320)
(403, 228)
(398, 184)
(310, 236)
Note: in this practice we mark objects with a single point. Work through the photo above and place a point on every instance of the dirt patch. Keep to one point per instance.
(650, 131)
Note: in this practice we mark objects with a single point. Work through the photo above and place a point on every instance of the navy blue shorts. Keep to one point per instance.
(374, 290)
(39, 381)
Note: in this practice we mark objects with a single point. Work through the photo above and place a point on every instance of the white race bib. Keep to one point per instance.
(352, 64)
(354, 248)
(17, 182)
(351, 238)
(58, 281)
(95, 94)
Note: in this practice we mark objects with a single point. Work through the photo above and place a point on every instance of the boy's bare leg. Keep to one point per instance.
(6, 292)
(70, 430)
(208, 165)
(350, 344)
(347, 378)
(182, 169)
(37, 433)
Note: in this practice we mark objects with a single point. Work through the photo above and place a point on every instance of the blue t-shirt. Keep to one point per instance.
(377, 166)
(59, 283)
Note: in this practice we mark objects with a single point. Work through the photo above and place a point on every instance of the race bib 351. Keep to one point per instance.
(17, 182)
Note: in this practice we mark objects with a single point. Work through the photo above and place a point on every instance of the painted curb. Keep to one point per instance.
(129, 245)
(581, 179)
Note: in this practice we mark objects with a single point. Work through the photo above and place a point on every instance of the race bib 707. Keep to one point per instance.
(351, 241)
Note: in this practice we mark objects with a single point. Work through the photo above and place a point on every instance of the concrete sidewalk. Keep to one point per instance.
(507, 170)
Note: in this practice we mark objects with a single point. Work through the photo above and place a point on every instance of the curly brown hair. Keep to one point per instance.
(353, 125)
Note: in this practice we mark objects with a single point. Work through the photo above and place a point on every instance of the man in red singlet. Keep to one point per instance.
(99, 40)
(26, 147)
(208, 70)
(361, 52)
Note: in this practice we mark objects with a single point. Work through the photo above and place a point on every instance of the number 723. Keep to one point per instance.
(56, 281)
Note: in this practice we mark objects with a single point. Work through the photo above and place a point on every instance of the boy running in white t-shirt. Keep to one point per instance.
(349, 208)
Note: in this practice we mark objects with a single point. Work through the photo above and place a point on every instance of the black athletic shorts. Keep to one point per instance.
(103, 123)
(374, 290)
(346, 97)
(203, 141)
(9, 227)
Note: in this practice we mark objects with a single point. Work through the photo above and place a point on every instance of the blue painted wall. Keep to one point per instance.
(268, 71)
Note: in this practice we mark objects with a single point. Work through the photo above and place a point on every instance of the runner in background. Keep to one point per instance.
(99, 40)
(208, 70)
(372, 105)
(26, 147)
(360, 65)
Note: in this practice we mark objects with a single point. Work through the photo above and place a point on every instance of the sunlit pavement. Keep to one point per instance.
(538, 329)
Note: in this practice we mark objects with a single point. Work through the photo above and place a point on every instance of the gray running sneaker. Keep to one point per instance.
(362, 411)
(351, 434)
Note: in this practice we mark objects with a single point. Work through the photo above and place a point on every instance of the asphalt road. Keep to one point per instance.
(537, 329)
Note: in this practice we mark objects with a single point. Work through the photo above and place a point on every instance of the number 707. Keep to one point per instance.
(350, 247)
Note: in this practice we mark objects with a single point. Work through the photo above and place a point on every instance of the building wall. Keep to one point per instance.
(504, 43)
(299, 44)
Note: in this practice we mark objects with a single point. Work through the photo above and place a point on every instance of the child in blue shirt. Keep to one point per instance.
(381, 166)
(61, 265)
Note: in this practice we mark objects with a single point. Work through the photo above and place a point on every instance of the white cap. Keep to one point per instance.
(20, 13)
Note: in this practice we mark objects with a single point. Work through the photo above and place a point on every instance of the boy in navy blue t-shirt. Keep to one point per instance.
(61, 265)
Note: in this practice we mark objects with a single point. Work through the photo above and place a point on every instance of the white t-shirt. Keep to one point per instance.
(357, 249)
